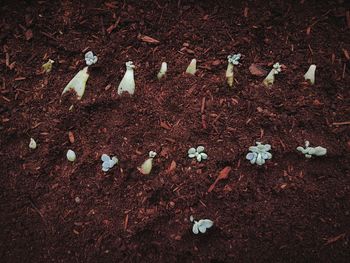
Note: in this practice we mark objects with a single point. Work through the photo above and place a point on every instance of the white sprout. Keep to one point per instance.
(201, 225)
(71, 156)
(198, 153)
(259, 153)
(309, 151)
(90, 58)
(234, 58)
(32, 144)
(108, 162)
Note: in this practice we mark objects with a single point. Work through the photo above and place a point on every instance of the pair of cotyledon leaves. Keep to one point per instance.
(201, 225)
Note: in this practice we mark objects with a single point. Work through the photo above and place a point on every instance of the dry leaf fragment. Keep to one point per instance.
(257, 70)
(148, 39)
(222, 175)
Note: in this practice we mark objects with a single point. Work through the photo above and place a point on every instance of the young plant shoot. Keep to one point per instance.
(309, 151)
(191, 69)
(198, 153)
(128, 82)
(90, 58)
(271, 76)
(47, 67)
(108, 162)
(146, 167)
(78, 83)
(259, 153)
(310, 74)
(32, 144)
(201, 226)
(162, 71)
(71, 156)
(232, 60)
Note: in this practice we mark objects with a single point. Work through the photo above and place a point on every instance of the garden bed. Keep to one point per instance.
(290, 209)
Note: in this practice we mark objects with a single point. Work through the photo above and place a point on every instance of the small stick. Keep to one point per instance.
(203, 105)
(344, 68)
(126, 221)
(204, 124)
(341, 123)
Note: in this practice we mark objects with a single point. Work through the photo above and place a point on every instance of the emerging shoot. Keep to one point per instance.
(90, 58)
(198, 153)
(259, 153)
(310, 74)
(271, 76)
(146, 167)
(71, 156)
(163, 70)
(47, 67)
(309, 151)
(128, 82)
(108, 162)
(232, 60)
(201, 226)
(32, 144)
(78, 83)
(191, 69)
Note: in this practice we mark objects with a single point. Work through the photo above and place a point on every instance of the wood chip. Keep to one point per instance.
(71, 137)
(222, 175)
(346, 54)
(29, 34)
(165, 125)
(172, 167)
(308, 30)
(245, 13)
(148, 39)
(257, 70)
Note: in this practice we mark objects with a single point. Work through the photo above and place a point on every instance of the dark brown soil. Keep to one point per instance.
(292, 209)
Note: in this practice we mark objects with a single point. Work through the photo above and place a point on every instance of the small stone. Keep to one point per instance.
(77, 200)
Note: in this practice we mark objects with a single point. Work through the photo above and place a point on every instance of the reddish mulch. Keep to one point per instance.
(291, 209)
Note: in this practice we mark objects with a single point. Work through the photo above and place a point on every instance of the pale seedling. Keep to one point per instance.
(78, 83)
(198, 153)
(310, 74)
(191, 69)
(232, 60)
(108, 162)
(146, 167)
(32, 144)
(271, 76)
(128, 82)
(259, 153)
(163, 70)
(309, 151)
(71, 156)
(201, 226)
(90, 58)
(47, 67)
